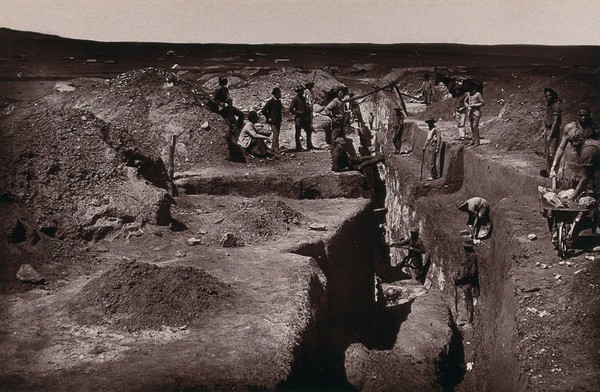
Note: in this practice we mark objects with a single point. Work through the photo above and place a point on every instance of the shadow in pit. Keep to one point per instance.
(452, 366)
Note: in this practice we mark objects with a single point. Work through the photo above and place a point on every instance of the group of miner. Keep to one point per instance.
(572, 156)
(247, 140)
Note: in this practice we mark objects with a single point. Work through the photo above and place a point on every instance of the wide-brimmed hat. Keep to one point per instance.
(309, 84)
(468, 243)
(431, 120)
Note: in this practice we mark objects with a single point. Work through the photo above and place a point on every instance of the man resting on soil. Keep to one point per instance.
(253, 142)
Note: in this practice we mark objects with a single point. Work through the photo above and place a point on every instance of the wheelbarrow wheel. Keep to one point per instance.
(563, 247)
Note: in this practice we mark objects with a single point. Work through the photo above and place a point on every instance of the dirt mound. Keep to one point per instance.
(139, 295)
(250, 220)
(151, 106)
(89, 161)
(252, 93)
(263, 218)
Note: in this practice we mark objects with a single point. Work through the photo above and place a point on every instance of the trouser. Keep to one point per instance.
(301, 123)
(469, 303)
(551, 147)
(427, 96)
(275, 135)
(337, 129)
(474, 117)
(234, 117)
(433, 160)
(397, 140)
(258, 148)
(461, 120)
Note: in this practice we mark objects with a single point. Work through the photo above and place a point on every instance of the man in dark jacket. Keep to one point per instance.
(468, 278)
(299, 108)
(272, 112)
(222, 103)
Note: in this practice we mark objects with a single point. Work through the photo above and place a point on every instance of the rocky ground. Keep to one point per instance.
(84, 184)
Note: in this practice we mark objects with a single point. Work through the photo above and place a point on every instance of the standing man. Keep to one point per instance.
(432, 146)
(222, 103)
(310, 101)
(427, 90)
(335, 110)
(397, 129)
(574, 134)
(299, 108)
(551, 125)
(272, 112)
(460, 112)
(414, 257)
(467, 278)
(474, 101)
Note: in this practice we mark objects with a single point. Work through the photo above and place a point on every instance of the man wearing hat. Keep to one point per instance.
(414, 257)
(310, 100)
(301, 111)
(432, 147)
(222, 103)
(467, 278)
(474, 101)
(335, 111)
(479, 216)
(272, 112)
(397, 129)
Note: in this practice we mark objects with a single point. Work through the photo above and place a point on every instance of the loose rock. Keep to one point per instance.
(27, 274)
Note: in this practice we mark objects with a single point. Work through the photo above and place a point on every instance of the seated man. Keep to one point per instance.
(342, 161)
(479, 216)
(222, 103)
(252, 141)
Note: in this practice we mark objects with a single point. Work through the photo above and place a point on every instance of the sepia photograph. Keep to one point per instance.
(299, 195)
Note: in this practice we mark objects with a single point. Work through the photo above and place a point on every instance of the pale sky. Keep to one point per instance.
(546, 22)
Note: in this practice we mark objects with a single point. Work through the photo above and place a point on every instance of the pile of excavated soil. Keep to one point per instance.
(250, 220)
(263, 218)
(89, 161)
(135, 296)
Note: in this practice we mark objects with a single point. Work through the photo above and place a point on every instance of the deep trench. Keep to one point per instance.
(346, 319)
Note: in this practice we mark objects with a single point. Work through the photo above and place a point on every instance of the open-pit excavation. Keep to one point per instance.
(135, 255)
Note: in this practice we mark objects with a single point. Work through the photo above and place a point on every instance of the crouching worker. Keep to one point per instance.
(467, 279)
(479, 222)
(342, 161)
(252, 141)
(414, 257)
